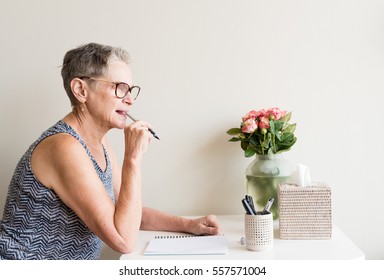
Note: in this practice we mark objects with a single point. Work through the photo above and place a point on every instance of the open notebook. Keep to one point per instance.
(187, 245)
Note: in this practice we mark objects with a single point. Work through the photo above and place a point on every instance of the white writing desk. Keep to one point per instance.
(339, 247)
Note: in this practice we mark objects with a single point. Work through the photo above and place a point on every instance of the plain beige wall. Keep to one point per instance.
(202, 64)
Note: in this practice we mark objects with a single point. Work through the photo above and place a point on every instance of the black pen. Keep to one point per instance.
(268, 206)
(247, 208)
(150, 130)
(250, 202)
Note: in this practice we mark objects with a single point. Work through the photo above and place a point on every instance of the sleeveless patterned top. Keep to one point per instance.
(37, 224)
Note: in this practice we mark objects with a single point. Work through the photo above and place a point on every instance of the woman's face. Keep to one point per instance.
(102, 102)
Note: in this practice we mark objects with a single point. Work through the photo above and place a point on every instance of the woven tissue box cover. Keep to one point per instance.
(305, 212)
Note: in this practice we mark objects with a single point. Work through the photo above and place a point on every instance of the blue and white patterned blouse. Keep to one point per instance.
(37, 224)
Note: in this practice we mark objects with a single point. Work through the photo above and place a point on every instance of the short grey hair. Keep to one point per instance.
(89, 60)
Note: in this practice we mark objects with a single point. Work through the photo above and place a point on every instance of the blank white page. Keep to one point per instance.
(187, 245)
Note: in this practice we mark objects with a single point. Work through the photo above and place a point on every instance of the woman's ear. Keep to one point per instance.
(79, 89)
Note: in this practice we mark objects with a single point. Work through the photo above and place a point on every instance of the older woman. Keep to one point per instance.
(68, 193)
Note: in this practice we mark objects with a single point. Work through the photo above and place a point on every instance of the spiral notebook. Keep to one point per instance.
(187, 245)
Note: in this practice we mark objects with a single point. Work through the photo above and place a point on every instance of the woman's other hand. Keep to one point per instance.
(207, 225)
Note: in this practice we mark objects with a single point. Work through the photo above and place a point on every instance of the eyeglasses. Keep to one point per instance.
(121, 89)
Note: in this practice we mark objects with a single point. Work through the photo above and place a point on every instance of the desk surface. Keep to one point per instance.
(339, 247)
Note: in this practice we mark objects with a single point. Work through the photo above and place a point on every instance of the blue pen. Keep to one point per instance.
(268, 206)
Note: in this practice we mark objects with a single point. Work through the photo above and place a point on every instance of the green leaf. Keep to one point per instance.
(244, 145)
(282, 151)
(249, 152)
(290, 128)
(278, 126)
(286, 118)
(272, 127)
(234, 139)
(258, 150)
(287, 137)
(254, 141)
(234, 131)
(266, 143)
(278, 135)
(287, 144)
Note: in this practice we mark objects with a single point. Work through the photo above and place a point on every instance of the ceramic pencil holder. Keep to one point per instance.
(259, 232)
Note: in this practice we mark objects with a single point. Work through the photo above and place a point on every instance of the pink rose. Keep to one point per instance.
(249, 126)
(276, 113)
(261, 113)
(264, 122)
(250, 115)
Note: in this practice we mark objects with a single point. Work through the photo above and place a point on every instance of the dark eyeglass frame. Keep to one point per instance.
(129, 91)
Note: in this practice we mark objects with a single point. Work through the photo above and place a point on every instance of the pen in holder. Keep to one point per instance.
(259, 231)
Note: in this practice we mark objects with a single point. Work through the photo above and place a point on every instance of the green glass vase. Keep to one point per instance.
(263, 175)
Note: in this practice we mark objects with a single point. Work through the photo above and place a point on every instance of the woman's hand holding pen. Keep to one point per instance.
(137, 139)
(149, 129)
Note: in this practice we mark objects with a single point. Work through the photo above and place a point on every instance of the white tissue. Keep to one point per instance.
(301, 176)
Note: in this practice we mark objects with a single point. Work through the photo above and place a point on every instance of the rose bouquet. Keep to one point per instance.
(264, 132)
